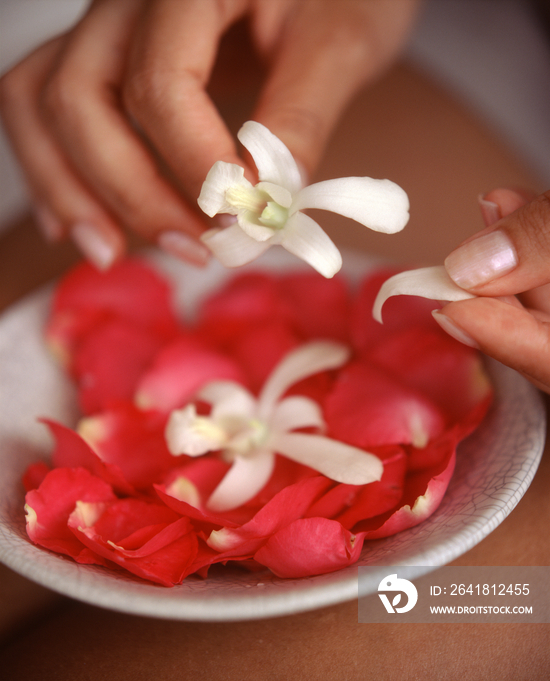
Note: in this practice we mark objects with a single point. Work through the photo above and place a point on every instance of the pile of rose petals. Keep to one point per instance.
(115, 496)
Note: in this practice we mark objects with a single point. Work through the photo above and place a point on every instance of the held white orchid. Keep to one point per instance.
(426, 282)
(271, 211)
(249, 431)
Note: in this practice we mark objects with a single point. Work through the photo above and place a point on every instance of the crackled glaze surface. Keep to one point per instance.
(494, 469)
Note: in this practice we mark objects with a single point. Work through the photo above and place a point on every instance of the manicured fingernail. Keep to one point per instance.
(94, 245)
(50, 227)
(304, 175)
(453, 330)
(224, 220)
(490, 211)
(481, 260)
(184, 247)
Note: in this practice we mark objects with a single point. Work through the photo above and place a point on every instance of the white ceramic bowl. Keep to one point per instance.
(494, 468)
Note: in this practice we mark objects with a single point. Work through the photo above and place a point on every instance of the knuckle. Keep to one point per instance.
(62, 95)
(301, 123)
(14, 91)
(149, 88)
(534, 221)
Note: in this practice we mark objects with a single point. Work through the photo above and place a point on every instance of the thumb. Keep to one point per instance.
(509, 257)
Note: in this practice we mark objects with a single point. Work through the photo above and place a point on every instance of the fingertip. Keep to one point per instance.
(184, 247)
(48, 224)
(101, 245)
(454, 330)
(507, 200)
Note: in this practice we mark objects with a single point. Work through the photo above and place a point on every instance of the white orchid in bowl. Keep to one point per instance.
(270, 212)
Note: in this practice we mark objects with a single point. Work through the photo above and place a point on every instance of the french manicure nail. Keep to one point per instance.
(184, 247)
(94, 245)
(490, 211)
(481, 260)
(453, 330)
(50, 227)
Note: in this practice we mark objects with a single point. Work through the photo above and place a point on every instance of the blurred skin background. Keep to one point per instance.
(464, 110)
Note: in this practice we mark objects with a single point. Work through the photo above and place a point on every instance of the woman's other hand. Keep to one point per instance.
(115, 130)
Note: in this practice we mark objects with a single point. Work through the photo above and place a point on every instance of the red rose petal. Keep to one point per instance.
(105, 378)
(289, 504)
(246, 300)
(423, 493)
(319, 307)
(261, 348)
(368, 408)
(449, 373)
(129, 290)
(147, 539)
(34, 475)
(400, 312)
(72, 451)
(351, 503)
(178, 371)
(310, 546)
(53, 502)
(132, 441)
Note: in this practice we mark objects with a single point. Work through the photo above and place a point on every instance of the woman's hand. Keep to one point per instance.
(114, 128)
(510, 257)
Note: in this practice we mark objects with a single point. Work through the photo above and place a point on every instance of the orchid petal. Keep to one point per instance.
(243, 481)
(303, 237)
(426, 282)
(220, 178)
(296, 412)
(335, 459)
(227, 398)
(305, 361)
(273, 160)
(380, 205)
(247, 222)
(232, 246)
(279, 194)
(188, 433)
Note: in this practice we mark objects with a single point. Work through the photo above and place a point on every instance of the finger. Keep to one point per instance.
(325, 54)
(510, 334)
(509, 257)
(83, 102)
(498, 204)
(172, 58)
(63, 203)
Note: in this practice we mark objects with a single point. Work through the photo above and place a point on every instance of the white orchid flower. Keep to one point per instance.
(426, 282)
(271, 211)
(249, 431)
